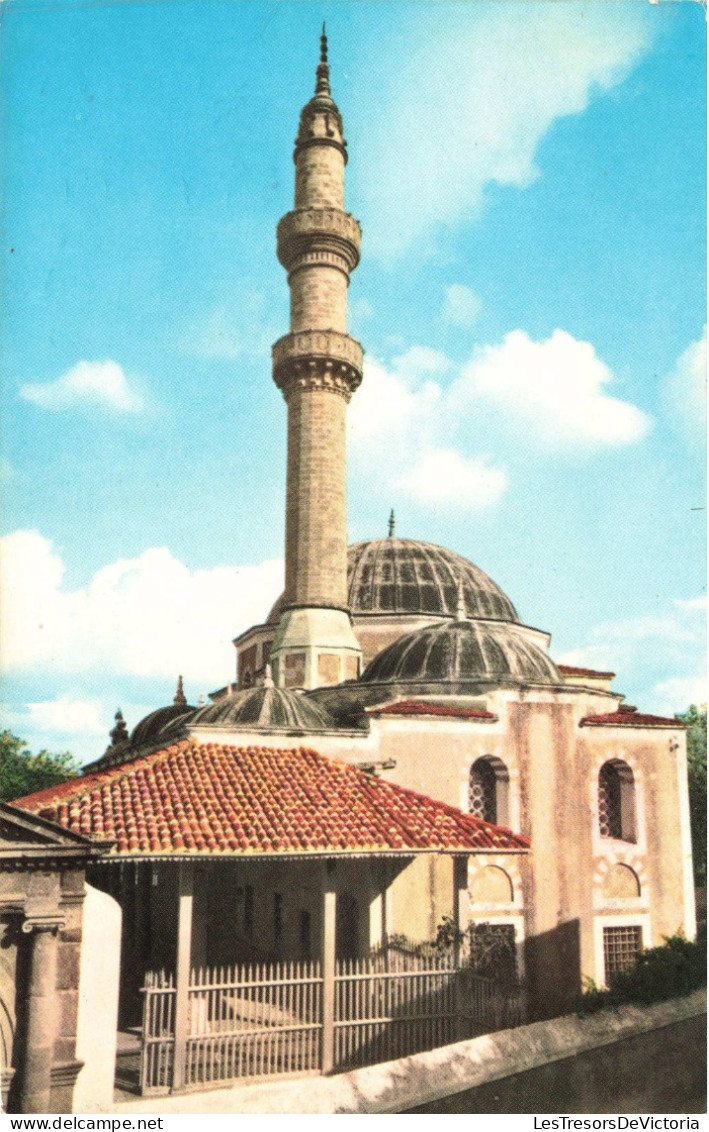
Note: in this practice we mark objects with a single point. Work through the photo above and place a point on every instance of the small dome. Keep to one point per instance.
(264, 708)
(160, 725)
(395, 575)
(462, 652)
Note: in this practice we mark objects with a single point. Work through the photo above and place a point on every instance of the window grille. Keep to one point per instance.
(621, 946)
(482, 794)
(609, 802)
(616, 801)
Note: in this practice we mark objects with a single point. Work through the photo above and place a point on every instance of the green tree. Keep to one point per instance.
(696, 720)
(22, 773)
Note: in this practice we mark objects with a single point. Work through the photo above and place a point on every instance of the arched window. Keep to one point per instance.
(616, 801)
(487, 789)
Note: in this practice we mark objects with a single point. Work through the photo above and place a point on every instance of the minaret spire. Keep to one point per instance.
(317, 366)
(322, 75)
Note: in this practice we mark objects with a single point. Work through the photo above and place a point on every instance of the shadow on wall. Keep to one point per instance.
(553, 967)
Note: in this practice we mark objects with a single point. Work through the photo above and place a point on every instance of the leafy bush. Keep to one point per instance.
(670, 971)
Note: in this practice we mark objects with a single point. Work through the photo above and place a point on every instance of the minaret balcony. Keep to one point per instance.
(309, 234)
(317, 359)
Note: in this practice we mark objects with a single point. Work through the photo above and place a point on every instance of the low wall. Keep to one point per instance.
(634, 1059)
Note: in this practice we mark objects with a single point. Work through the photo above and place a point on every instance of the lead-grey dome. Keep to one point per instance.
(460, 652)
(160, 725)
(274, 709)
(396, 575)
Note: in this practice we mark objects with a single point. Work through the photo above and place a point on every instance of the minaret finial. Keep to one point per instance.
(392, 523)
(180, 694)
(322, 79)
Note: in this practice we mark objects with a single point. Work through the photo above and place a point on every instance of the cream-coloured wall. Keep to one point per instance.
(421, 896)
(98, 1002)
(661, 854)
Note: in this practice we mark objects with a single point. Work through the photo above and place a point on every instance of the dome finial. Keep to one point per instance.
(180, 694)
(392, 523)
(268, 677)
(322, 75)
(119, 733)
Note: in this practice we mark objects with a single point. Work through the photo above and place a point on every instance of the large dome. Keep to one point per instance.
(463, 652)
(395, 575)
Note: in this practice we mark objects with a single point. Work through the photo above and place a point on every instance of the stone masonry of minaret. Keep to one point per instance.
(317, 366)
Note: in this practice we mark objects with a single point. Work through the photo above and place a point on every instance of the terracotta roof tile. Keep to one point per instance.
(208, 798)
(625, 718)
(420, 707)
(571, 670)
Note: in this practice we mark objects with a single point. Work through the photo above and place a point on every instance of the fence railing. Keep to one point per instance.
(262, 1020)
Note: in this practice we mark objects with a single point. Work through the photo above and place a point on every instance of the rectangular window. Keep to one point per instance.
(621, 945)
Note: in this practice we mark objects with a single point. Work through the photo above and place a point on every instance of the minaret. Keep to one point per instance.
(317, 367)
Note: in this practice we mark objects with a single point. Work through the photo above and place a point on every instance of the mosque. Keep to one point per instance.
(402, 665)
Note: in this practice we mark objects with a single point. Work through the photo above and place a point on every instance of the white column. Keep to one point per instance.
(184, 957)
(328, 963)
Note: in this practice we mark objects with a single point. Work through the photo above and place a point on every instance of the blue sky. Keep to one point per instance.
(530, 179)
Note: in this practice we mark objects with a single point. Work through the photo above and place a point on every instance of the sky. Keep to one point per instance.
(530, 180)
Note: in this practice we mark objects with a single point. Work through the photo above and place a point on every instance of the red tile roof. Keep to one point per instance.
(208, 798)
(624, 718)
(419, 707)
(570, 670)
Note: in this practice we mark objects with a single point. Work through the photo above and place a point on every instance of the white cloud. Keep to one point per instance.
(390, 407)
(554, 389)
(461, 306)
(102, 384)
(692, 602)
(416, 417)
(677, 694)
(444, 477)
(664, 652)
(684, 391)
(399, 421)
(66, 715)
(526, 68)
(148, 616)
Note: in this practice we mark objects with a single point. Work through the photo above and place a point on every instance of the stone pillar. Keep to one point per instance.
(317, 367)
(35, 1096)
